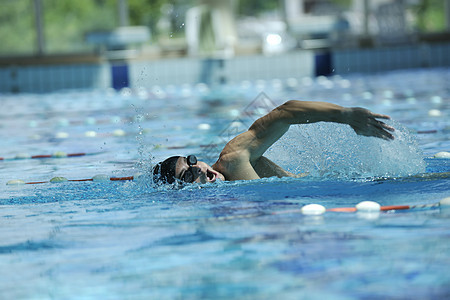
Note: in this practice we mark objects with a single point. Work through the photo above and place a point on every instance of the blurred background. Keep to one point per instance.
(132, 43)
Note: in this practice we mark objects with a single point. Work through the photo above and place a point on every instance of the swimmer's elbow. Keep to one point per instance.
(304, 112)
(290, 111)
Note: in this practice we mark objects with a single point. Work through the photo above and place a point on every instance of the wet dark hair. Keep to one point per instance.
(164, 172)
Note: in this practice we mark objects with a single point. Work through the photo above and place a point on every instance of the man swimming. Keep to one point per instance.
(242, 157)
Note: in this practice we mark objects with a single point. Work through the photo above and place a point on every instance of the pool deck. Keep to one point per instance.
(41, 74)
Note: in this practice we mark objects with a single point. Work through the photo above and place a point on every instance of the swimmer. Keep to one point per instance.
(242, 157)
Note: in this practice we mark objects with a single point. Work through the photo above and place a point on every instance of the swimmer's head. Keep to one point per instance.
(184, 169)
(164, 172)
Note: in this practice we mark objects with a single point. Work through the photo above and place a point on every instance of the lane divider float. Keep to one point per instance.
(368, 209)
(442, 154)
(364, 207)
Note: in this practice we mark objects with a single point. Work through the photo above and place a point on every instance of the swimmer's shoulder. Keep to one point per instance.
(235, 166)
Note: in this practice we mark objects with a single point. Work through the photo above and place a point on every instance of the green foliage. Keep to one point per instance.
(430, 15)
(255, 7)
(145, 12)
(67, 22)
(16, 21)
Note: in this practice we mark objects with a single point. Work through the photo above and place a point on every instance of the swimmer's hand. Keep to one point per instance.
(364, 122)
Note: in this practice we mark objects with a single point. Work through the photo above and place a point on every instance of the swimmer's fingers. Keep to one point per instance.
(383, 125)
(381, 130)
(387, 127)
(364, 122)
(376, 132)
(380, 116)
(385, 135)
(374, 128)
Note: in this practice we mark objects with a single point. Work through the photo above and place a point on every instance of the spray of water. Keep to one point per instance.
(144, 164)
(335, 151)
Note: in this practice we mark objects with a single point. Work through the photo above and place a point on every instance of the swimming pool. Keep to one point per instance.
(246, 240)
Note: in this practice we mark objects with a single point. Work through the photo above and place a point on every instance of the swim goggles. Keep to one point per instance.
(192, 173)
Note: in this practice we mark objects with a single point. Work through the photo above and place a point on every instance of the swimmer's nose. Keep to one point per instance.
(196, 173)
(201, 169)
(199, 174)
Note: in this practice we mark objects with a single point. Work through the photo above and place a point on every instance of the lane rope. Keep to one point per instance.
(387, 207)
(368, 207)
(97, 178)
(364, 207)
(57, 154)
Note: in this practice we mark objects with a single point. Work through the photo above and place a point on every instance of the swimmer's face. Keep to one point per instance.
(189, 170)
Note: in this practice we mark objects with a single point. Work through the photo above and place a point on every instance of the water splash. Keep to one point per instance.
(335, 151)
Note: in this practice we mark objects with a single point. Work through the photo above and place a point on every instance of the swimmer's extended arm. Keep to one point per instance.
(363, 121)
(240, 156)
(268, 129)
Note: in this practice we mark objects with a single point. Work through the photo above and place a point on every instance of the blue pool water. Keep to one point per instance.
(242, 240)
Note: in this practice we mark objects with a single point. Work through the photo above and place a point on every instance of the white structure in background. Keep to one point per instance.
(268, 35)
(384, 20)
(116, 41)
(211, 36)
(319, 24)
(366, 16)
(316, 24)
(393, 27)
(210, 29)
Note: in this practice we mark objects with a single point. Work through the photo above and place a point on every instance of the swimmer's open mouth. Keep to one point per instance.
(211, 176)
